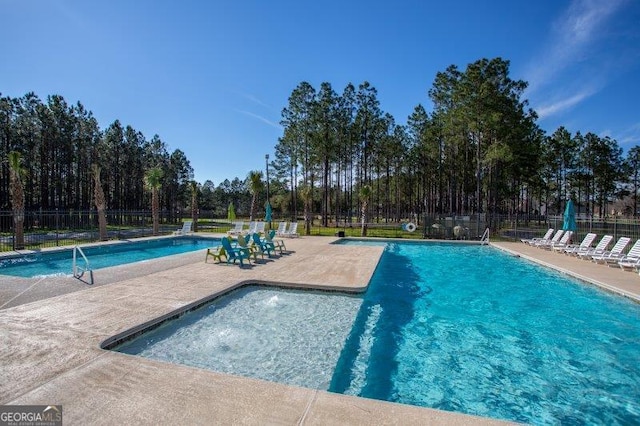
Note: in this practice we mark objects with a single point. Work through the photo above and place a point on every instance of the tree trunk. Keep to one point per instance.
(18, 219)
(155, 211)
(100, 204)
(17, 199)
(194, 212)
(363, 230)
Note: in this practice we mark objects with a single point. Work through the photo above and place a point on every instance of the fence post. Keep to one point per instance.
(424, 226)
(57, 227)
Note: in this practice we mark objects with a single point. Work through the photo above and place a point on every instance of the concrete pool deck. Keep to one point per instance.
(50, 351)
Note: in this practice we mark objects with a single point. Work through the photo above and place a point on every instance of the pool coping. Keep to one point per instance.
(112, 342)
(61, 249)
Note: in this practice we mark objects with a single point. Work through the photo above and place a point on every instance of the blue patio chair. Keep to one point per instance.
(243, 242)
(278, 244)
(263, 246)
(235, 253)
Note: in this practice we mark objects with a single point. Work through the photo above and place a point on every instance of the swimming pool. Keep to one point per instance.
(470, 329)
(101, 256)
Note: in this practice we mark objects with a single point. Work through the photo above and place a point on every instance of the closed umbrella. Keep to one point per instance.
(267, 214)
(231, 212)
(569, 217)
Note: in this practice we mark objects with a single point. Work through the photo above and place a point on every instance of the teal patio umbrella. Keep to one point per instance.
(569, 217)
(267, 213)
(231, 212)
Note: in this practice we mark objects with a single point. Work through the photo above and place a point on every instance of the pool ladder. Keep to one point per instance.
(485, 237)
(78, 271)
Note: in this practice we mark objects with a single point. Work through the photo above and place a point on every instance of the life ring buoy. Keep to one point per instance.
(410, 227)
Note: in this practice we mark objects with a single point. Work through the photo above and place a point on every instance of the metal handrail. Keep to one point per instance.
(76, 268)
(485, 237)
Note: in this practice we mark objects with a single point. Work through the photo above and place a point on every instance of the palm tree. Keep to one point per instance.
(306, 193)
(254, 180)
(365, 194)
(153, 181)
(194, 204)
(16, 173)
(100, 202)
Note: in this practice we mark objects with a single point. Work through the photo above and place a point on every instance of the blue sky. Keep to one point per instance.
(211, 77)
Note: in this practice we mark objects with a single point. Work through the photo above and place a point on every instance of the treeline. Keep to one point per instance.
(479, 151)
(214, 200)
(58, 143)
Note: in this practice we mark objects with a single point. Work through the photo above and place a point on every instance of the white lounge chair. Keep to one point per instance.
(564, 241)
(292, 232)
(615, 254)
(260, 226)
(584, 245)
(600, 248)
(555, 239)
(237, 228)
(186, 228)
(630, 260)
(252, 227)
(630, 264)
(546, 237)
(282, 227)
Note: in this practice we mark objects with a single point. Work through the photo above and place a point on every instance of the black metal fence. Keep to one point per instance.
(504, 227)
(516, 227)
(56, 228)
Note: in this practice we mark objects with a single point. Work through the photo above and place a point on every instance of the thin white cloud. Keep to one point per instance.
(629, 137)
(261, 118)
(580, 24)
(571, 36)
(255, 100)
(626, 138)
(563, 104)
(251, 98)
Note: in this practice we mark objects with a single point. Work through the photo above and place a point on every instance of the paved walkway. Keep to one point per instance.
(50, 351)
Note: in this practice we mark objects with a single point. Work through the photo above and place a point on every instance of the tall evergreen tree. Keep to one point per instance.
(195, 192)
(633, 167)
(325, 117)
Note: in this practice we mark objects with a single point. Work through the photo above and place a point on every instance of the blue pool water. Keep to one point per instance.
(220, 337)
(460, 328)
(60, 263)
(469, 329)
